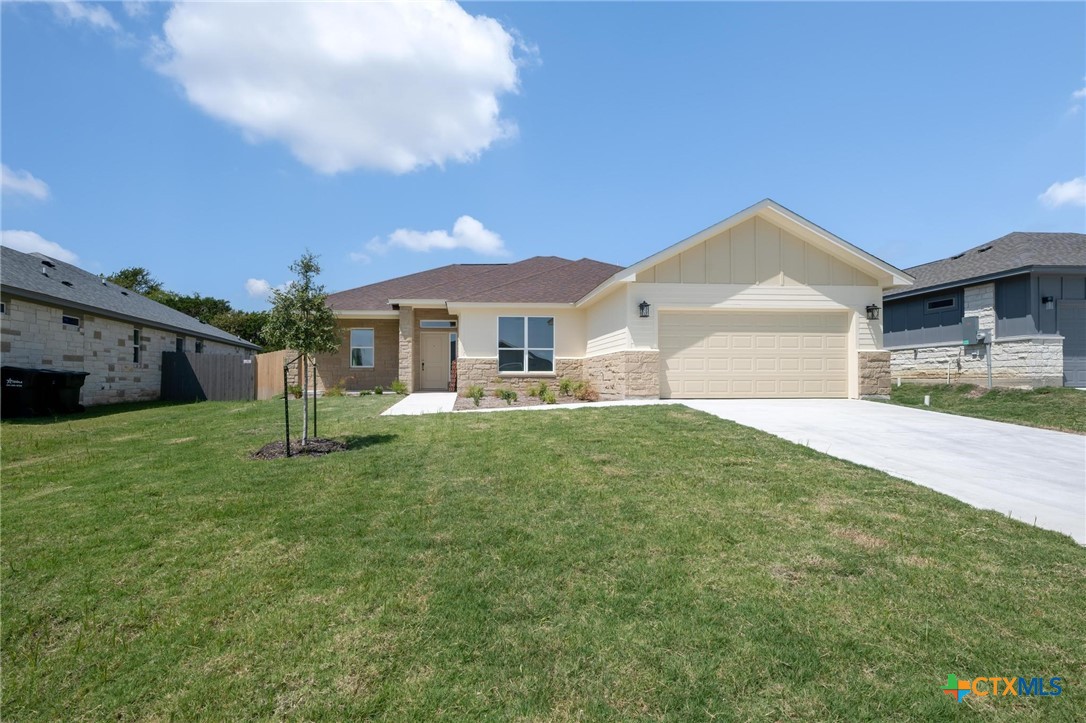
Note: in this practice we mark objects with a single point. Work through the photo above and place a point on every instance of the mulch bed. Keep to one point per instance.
(316, 448)
(492, 402)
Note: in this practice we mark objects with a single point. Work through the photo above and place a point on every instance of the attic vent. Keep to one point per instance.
(50, 264)
(66, 283)
(958, 256)
(980, 251)
(125, 293)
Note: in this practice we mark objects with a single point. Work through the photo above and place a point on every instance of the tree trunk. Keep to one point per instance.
(305, 400)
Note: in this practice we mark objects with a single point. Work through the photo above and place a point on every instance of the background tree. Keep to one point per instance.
(301, 320)
(138, 279)
(249, 325)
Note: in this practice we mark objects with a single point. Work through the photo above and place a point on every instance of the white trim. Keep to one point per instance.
(774, 212)
(363, 314)
(454, 305)
(351, 347)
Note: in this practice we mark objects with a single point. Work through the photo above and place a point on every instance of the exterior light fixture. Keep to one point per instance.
(1049, 302)
(872, 312)
(643, 309)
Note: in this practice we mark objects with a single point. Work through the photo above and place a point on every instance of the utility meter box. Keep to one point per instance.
(970, 328)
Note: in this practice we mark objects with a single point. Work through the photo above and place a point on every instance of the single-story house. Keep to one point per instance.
(54, 315)
(1027, 292)
(762, 304)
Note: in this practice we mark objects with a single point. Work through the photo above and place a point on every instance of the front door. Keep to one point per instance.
(435, 361)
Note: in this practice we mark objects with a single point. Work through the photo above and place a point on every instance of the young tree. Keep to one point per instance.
(301, 320)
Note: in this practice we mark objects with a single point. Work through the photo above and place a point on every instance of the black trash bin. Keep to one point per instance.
(66, 386)
(19, 392)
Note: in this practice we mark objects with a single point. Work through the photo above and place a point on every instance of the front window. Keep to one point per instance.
(135, 346)
(199, 346)
(180, 343)
(69, 320)
(525, 343)
(362, 348)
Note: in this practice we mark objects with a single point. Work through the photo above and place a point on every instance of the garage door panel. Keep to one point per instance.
(753, 354)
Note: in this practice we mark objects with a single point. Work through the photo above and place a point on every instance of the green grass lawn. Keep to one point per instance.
(626, 563)
(1059, 408)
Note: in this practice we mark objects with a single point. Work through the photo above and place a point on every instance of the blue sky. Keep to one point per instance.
(213, 144)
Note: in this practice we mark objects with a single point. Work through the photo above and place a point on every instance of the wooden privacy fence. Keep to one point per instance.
(191, 377)
(269, 374)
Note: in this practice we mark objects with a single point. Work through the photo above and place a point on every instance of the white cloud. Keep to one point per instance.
(1079, 94)
(22, 182)
(91, 13)
(30, 242)
(385, 86)
(136, 8)
(261, 289)
(1068, 193)
(467, 233)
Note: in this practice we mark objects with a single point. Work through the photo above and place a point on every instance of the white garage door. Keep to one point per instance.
(753, 354)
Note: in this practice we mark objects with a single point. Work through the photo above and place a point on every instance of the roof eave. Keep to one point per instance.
(110, 314)
(1018, 270)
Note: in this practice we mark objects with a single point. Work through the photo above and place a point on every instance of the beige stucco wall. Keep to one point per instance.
(478, 336)
(32, 335)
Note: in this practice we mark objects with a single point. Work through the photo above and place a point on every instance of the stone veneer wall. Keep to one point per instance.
(483, 372)
(334, 370)
(874, 371)
(1016, 361)
(625, 374)
(32, 335)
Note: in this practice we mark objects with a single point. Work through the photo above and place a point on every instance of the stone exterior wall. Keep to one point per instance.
(1024, 361)
(625, 374)
(874, 372)
(406, 341)
(32, 335)
(483, 372)
(334, 370)
(1017, 362)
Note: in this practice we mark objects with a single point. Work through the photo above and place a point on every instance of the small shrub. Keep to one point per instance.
(548, 397)
(585, 392)
(295, 390)
(532, 390)
(378, 389)
(565, 387)
(334, 392)
(399, 387)
(365, 393)
(475, 394)
(508, 395)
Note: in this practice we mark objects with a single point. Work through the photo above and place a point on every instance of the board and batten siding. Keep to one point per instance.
(607, 324)
(756, 252)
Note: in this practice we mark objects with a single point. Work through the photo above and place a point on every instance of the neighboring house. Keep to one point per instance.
(763, 304)
(1027, 289)
(57, 316)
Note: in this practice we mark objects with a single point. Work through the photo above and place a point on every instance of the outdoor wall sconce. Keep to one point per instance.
(643, 309)
(872, 312)
(1049, 302)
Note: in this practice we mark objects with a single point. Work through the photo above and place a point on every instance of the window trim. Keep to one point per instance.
(199, 346)
(953, 299)
(437, 324)
(137, 335)
(74, 320)
(526, 349)
(179, 346)
(351, 347)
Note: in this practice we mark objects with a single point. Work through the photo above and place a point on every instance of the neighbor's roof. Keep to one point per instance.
(540, 279)
(1016, 251)
(70, 286)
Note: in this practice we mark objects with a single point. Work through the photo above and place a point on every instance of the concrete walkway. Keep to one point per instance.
(1034, 475)
(422, 403)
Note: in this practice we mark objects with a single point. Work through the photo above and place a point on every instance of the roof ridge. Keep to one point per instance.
(503, 266)
(520, 279)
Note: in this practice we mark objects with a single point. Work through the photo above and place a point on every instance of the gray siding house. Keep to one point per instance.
(57, 316)
(1028, 290)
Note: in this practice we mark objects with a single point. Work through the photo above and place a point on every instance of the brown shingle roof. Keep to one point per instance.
(1017, 250)
(540, 279)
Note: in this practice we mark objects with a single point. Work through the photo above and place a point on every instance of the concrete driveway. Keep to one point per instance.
(1033, 475)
